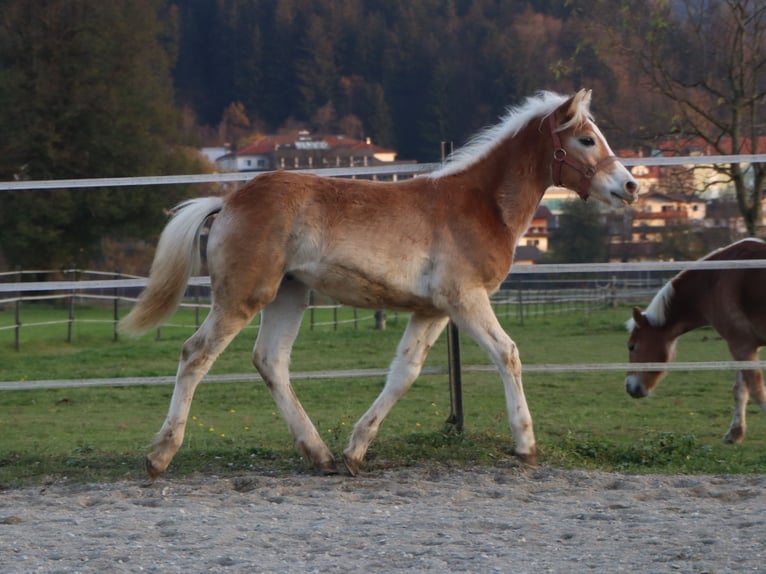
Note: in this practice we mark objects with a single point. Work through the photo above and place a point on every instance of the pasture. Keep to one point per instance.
(583, 420)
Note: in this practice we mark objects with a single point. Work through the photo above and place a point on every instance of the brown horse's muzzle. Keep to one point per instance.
(634, 387)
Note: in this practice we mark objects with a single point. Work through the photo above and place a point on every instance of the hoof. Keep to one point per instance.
(152, 470)
(327, 467)
(352, 466)
(734, 436)
(529, 458)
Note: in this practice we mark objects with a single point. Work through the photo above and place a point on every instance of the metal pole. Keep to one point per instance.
(70, 322)
(116, 313)
(454, 422)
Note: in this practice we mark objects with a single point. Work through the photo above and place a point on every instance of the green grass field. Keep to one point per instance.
(582, 420)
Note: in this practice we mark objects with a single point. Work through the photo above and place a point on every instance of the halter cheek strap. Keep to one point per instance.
(560, 158)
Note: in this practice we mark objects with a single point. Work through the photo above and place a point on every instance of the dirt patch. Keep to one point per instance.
(414, 520)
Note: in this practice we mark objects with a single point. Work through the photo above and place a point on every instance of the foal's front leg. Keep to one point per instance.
(475, 316)
(418, 338)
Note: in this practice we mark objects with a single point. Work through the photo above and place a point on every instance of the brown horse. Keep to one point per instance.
(436, 246)
(732, 301)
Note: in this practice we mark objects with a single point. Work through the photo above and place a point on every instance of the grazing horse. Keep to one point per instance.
(732, 301)
(436, 246)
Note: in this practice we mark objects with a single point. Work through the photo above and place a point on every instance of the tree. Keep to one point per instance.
(85, 91)
(706, 59)
(581, 236)
(680, 242)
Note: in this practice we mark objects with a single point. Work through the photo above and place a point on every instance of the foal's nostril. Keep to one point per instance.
(631, 186)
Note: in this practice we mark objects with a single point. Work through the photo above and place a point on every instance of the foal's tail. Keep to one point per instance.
(176, 258)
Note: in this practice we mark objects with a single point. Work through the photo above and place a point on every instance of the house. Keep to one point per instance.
(655, 213)
(212, 154)
(537, 234)
(666, 209)
(301, 150)
(527, 255)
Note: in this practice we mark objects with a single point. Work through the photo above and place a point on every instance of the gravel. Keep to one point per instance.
(419, 519)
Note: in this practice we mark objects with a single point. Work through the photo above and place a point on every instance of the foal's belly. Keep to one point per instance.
(364, 290)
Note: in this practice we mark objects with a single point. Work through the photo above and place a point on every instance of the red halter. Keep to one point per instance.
(560, 157)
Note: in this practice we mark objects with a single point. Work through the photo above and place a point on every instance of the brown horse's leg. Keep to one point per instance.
(476, 318)
(419, 336)
(736, 432)
(197, 356)
(749, 383)
(280, 322)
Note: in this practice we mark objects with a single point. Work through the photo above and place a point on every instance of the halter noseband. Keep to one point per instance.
(560, 157)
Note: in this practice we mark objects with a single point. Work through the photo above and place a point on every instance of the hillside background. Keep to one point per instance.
(135, 87)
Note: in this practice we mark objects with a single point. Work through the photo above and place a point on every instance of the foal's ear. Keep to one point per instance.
(639, 318)
(576, 107)
(582, 98)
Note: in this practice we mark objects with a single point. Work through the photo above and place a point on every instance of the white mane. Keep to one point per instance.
(656, 312)
(515, 118)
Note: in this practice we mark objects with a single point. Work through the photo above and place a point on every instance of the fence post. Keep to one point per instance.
(455, 421)
(17, 328)
(311, 310)
(116, 312)
(71, 312)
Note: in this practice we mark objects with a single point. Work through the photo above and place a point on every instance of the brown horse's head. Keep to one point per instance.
(648, 343)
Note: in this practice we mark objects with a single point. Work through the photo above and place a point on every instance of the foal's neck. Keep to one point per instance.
(516, 174)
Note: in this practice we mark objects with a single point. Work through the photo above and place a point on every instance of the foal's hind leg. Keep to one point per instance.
(280, 322)
(419, 336)
(197, 356)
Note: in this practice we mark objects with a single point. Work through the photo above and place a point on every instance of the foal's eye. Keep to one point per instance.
(631, 346)
(587, 141)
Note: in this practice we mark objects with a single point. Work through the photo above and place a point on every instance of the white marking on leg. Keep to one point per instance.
(736, 431)
(197, 356)
(476, 318)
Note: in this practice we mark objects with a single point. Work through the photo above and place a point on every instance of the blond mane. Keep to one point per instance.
(481, 145)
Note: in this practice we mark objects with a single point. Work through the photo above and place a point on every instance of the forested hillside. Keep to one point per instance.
(408, 74)
(94, 88)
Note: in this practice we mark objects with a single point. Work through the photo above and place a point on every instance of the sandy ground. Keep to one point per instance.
(413, 520)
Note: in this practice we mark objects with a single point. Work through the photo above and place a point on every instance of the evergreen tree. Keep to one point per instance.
(85, 91)
(581, 236)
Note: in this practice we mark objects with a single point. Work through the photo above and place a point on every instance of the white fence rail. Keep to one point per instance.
(384, 170)
(506, 301)
(17, 289)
